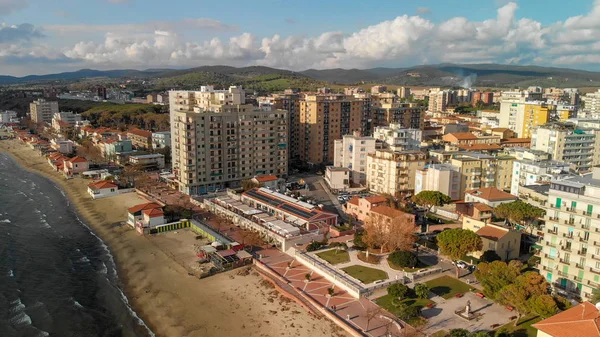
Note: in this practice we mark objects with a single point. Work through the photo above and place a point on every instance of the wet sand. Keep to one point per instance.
(171, 302)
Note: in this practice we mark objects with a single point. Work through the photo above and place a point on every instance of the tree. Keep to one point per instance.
(358, 242)
(248, 184)
(543, 305)
(315, 245)
(331, 291)
(456, 243)
(595, 295)
(459, 333)
(496, 275)
(503, 332)
(489, 256)
(520, 212)
(371, 314)
(563, 303)
(398, 290)
(431, 198)
(479, 334)
(518, 294)
(403, 258)
(389, 235)
(409, 312)
(422, 290)
(341, 246)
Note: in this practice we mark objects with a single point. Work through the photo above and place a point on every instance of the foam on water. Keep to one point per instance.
(103, 269)
(45, 224)
(84, 260)
(5, 221)
(16, 306)
(11, 273)
(20, 318)
(77, 304)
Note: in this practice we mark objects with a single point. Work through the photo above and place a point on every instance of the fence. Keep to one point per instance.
(170, 227)
(422, 273)
(446, 214)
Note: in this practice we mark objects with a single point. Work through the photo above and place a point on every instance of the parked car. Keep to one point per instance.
(461, 264)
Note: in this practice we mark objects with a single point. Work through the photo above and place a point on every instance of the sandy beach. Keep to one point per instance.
(170, 302)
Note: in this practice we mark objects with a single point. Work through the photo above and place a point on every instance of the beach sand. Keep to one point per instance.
(171, 302)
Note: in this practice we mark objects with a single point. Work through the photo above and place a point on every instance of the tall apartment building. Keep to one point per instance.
(323, 119)
(528, 172)
(570, 256)
(42, 111)
(397, 138)
(569, 143)
(479, 170)
(290, 102)
(351, 152)
(407, 115)
(591, 105)
(216, 143)
(404, 92)
(394, 172)
(565, 112)
(443, 178)
(438, 101)
(523, 116)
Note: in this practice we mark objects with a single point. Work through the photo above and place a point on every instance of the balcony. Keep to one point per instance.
(565, 261)
(593, 284)
(566, 248)
(568, 235)
(583, 239)
(596, 243)
(552, 231)
(579, 265)
(595, 271)
(549, 257)
(582, 252)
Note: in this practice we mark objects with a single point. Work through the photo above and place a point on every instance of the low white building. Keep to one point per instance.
(351, 152)
(535, 172)
(397, 138)
(8, 117)
(102, 189)
(337, 178)
(268, 181)
(148, 161)
(443, 178)
(62, 146)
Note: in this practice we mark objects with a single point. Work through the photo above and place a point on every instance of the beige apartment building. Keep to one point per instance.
(443, 178)
(407, 115)
(394, 172)
(42, 111)
(217, 143)
(289, 101)
(479, 170)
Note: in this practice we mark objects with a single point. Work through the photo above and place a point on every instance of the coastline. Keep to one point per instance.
(159, 290)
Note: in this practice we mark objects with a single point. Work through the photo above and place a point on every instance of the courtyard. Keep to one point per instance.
(334, 256)
(365, 274)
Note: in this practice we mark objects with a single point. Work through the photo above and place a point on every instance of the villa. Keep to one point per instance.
(74, 166)
(144, 215)
(102, 189)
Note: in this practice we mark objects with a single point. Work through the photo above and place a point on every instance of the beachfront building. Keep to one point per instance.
(397, 138)
(337, 178)
(65, 120)
(141, 139)
(148, 161)
(102, 189)
(571, 247)
(160, 140)
(74, 166)
(62, 146)
(359, 208)
(443, 178)
(42, 111)
(394, 172)
(217, 144)
(137, 213)
(490, 196)
(351, 152)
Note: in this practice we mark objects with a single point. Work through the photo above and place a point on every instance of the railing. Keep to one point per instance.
(326, 269)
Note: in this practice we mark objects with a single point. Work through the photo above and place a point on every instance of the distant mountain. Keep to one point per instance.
(265, 78)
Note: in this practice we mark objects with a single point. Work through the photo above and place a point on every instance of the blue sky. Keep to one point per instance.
(48, 36)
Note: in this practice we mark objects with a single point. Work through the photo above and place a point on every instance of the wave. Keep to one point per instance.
(5, 221)
(84, 260)
(103, 269)
(77, 304)
(11, 273)
(20, 319)
(16, 306)
(45, 224)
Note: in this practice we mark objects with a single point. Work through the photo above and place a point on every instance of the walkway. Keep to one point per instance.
(336, 203)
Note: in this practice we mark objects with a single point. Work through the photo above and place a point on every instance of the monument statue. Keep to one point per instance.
(468, 309)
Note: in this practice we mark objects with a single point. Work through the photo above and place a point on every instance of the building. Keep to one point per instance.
(536, 172)
(394, 172)
(74, 166)
(290, 102)
(591, 105)
(443, 178)
(406, 115)
(160, 140)
(114, 148)
(377, 89)
(494, 236)
(469, 139)
(64, 121)
(490, 196)
(570, 143)
(524, 116)
(102, 189)
(136, 213)
(571, 246)
(582, 320)
(397, 138)
(481, 170)
(140, 139)
(8, 117)
(387, 216)
(438, 101)
(217, 146)
(360, 208)
(42, 111)
(148, 161)
(566, 112)
(351, 152)
(288, 209)
(269, 181)
(404, 92)
(337, 178)
(62, 146)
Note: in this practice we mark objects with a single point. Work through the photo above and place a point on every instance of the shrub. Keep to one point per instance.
(403, 258)
(398, 290)
(314, 246)
(490, 256)
(409, 313)
(459, 333)
(421, 290)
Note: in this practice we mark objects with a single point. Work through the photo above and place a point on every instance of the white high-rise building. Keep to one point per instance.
(216, 142)
(8, 116)
(42, 111)
(591, 103)
(351, 152)
(398, 138)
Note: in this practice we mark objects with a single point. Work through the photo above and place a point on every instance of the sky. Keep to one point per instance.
(42, 37)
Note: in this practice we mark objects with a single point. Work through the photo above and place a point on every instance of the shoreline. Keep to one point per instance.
(158, 289)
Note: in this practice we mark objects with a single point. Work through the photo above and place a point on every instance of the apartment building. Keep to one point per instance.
(394, 172)
(42, 111)
(290, 102)
(565, 112)
(523, 116)
(591, 105)
(8, 117)
(407, 115)
(215, 146)
(63, 119)
(141, 139)
(567, 142)
(397, 138)
(323, 119)
(351, 152)
(528, 172)
(160, 140)
(404, 92)
(443, 178)
(479, 170)
(570, 255)
(438, 101)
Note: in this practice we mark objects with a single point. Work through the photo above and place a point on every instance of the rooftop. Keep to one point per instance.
(147, 156)
(139, 132)
(491, 233)
(142, 207)
(580, 320)
(389, 212)
(290, 205)
(463, 135)
(264, 179)
(481, 147)
(102, 184)
(491, 194)
(333, 168)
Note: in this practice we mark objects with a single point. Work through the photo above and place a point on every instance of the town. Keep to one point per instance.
(408, 211)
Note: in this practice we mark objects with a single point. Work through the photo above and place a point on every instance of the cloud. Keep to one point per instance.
(9, 6)
(423, 10)
(402, 41)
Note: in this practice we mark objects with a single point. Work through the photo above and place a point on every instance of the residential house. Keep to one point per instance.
(504, 241)
(359, 208)
(490, 196)
(582, 320)
(268, 181)
(102, 189)
(74, 166)
(387, 216)
(337, 178)
(140, 139)
(135, 213)
(148, 161)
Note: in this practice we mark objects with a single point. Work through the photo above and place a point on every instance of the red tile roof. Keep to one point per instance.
(463, 135)
(491, 194)
(491, 233)
(141, 207)
(153, 213)
(354, 201)
(141, 133)
(264, 179)
(102, 184)
(389, 212)
(376, 199)
(77, 159)
(579, 321)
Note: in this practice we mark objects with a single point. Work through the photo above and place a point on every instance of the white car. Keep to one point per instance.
(460, 264)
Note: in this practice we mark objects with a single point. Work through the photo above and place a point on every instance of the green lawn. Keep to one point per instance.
(420, 265)
(447, 287)
(335, 256)
(524, 329)
(394, 307)
(365, 274)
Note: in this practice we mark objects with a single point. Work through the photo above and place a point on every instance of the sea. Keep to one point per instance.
(57, 278)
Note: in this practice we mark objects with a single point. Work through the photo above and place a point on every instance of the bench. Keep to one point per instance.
(512, 317)
(459, 295)
(509, 308)
(493, 326)
(480, 295)
(430, 305)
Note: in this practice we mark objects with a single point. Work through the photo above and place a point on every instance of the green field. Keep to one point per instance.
(365, 274)
(335, 256)
(447, 287)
